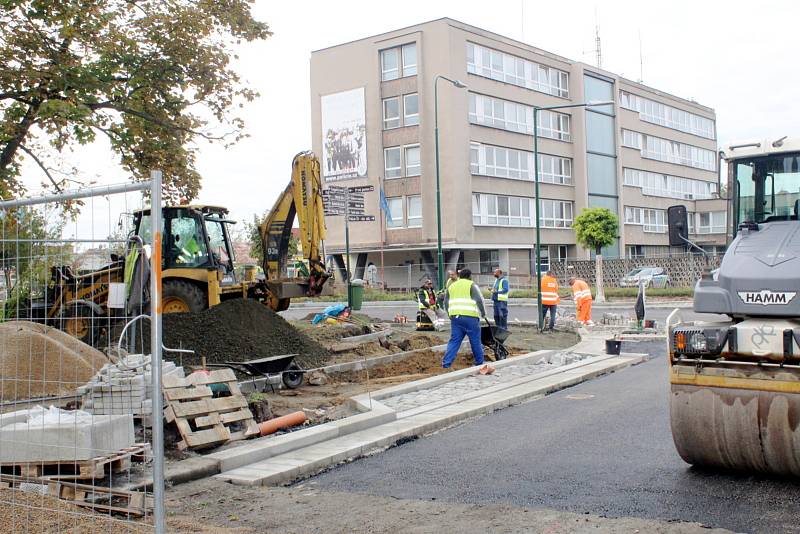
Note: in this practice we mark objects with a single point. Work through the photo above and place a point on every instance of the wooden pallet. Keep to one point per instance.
(98, 498)
(94, 468)
(202, 419)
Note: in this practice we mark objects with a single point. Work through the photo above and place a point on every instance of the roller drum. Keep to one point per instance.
(737, 429)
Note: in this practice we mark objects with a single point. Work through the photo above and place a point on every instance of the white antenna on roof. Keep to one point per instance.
(641, 59)
(597, 51)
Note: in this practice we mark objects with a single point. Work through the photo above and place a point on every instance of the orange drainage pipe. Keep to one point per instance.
(285, 421)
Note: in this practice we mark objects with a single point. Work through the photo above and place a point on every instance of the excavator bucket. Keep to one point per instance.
(739, 423)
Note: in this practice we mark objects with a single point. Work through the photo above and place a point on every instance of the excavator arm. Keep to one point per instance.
(302, 198)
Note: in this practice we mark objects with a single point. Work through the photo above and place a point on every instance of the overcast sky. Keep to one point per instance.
(737, 57)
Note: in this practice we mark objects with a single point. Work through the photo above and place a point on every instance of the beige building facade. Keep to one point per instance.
(373, 123)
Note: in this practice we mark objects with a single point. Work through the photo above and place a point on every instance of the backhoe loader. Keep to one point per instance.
(735, 384)
(198, 261)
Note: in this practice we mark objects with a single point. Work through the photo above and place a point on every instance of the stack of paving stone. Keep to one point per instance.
(125, 388)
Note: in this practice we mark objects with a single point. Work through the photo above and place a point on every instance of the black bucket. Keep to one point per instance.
(613, 346)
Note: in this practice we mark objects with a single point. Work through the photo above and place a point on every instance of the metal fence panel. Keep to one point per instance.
(80, 424)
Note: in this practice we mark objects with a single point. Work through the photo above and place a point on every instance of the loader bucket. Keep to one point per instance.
(737, 428)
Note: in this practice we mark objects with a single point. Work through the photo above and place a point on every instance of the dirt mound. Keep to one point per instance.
(41, 361)
(238, 330)
(423, 363)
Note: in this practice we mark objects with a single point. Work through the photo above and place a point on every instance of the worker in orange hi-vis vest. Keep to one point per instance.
(583, 300)
(550, 299)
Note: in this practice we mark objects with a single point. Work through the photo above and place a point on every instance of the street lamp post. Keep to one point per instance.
(439, 258)
(536, 111)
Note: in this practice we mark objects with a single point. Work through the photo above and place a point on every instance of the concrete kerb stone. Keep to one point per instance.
(359, 365)
(437, 380)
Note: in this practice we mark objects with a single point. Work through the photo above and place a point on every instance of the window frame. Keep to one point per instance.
(417, 219)
(386, 168)
(413, 118)
(397, 118)
(405, 160)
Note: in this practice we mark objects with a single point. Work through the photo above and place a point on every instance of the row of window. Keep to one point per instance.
(664, 115)
(404, 212)
(708, 222)
(655, 220)
(504, 67)
(399, 161)
(660, 149)
(489, 160)
(667, 186)
(399, 62)
(502, 210)
(515, 117)
(392, 113)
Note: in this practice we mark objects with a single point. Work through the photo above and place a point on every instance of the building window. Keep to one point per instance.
(631, 139)
(490, 260)
(673, 152)
(391, 59)
(651, 220)
(390, 64)
(712, 222)
(391, 113)
(668, 116)
(488, 160)
(391, 157)
(668, 186)
(501, 210)
(634, 251)
(414, 209)
(507, 68)
(555, 213)
(410, 109)
(395, 218)
(554, 125)
(410, 59)
(412, 160)
(515, 117)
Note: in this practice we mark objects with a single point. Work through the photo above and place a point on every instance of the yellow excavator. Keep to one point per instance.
(735, 384)
(198, 261)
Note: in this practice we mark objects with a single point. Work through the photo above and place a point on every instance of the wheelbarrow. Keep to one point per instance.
(492, 337)
(284, 365)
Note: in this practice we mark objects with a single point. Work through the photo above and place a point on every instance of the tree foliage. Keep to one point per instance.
(596, 228)
(153, 77)
(253, 235)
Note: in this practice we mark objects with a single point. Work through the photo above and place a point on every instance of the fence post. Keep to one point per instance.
(159, 511)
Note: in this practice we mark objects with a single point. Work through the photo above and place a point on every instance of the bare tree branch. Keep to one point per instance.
(41, 166)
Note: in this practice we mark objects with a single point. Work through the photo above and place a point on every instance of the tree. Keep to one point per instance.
(596, 228)
(151, 76)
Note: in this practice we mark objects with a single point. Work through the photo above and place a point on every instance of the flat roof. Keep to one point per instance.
(514, 42)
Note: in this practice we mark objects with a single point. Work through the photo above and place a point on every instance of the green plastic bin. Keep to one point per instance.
(356, 294)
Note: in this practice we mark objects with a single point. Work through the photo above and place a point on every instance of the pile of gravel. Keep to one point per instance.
(238, 330)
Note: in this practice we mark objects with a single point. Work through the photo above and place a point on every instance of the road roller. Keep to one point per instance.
(735, 384)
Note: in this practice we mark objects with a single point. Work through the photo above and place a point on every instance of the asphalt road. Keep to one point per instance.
(603, 447)
(527, 312)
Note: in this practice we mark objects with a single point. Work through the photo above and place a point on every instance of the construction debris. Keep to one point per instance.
(41, 361)
(208, 409)
(91, 469)
(125, 387)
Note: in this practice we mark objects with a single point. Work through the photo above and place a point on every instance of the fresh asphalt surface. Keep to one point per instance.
(603, 447)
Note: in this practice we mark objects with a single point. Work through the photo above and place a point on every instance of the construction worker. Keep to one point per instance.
(550, 299)
(464, 304)
(500, 299)
(452, 276)
(583, 300)
(426, 302)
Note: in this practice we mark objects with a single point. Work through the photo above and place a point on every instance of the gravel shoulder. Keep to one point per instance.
(308, 510)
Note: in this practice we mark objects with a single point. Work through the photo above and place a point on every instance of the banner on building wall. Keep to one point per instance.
(344, 135)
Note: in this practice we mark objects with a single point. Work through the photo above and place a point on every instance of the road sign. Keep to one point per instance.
(361, 218)
(355, 205)
(361, 189)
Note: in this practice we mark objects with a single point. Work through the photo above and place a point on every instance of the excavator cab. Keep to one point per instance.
(197, 256)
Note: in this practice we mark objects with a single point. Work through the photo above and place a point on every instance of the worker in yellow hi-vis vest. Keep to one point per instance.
(464, 304)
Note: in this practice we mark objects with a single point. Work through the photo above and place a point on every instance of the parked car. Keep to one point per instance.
(651, 276)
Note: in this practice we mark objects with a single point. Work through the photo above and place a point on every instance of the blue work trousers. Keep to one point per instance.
(460, 326)
(501, 314)
(552, 308)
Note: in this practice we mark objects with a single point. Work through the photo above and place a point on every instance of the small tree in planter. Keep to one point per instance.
(596, 228)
